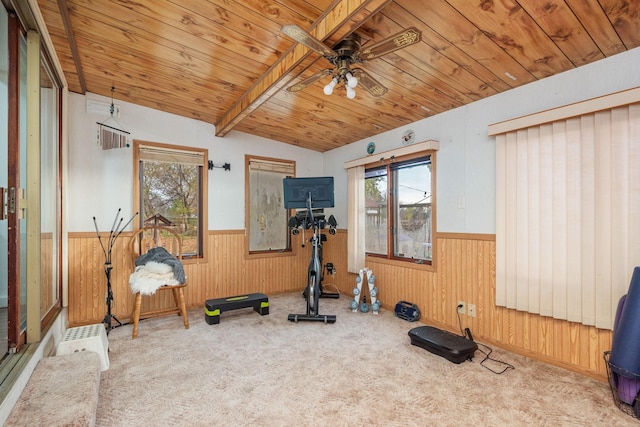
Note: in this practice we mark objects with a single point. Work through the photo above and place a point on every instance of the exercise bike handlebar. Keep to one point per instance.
(307, 219)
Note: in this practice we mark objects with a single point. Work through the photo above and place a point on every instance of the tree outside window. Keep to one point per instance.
(171, 182)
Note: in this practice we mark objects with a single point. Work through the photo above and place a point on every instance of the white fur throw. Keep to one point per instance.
(147, 278)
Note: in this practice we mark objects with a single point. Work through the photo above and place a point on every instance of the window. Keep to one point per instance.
(171, 190)
(266, 218)
(50, 207)
(399, 210)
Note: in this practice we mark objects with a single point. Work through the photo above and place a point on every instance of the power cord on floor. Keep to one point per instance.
(487, 352)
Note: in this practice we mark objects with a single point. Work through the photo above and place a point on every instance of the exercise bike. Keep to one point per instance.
(313, 292)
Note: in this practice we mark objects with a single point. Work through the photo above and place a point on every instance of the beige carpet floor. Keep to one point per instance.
(362, 370)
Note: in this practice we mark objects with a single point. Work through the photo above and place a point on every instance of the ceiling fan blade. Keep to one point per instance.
(398, 41)
(309, 81)
(301, 36)
(370, 84)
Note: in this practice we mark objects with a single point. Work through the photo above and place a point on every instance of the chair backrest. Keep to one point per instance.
(153, 237)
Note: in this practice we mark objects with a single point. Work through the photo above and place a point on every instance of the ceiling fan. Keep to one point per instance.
(346, 53)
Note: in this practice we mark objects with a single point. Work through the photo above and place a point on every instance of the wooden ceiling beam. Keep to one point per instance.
(68, 29)
(341, 16)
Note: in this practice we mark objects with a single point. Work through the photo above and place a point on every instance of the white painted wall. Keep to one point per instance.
(466, 160)
(100, 181)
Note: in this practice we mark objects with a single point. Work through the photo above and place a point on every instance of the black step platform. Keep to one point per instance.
(452, 347)
(214, 307)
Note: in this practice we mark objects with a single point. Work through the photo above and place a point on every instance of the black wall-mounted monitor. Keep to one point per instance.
(297, 191)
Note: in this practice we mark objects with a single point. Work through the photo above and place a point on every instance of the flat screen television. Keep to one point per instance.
(298, 190)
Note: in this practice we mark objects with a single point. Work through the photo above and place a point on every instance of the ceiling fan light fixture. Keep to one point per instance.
(328, 89)
(351, 81)
(350, 92)
(347, 52)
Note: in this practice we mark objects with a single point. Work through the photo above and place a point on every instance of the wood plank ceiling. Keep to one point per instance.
(227, 63)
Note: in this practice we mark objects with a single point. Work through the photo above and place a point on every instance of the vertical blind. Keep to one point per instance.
(568, 215)
(356, 219)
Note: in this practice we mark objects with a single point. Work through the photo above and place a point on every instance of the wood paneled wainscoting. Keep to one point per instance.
(224, 273)
(464, 271)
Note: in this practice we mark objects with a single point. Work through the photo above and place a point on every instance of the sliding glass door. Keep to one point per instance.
(30, 185)
(13, 147)
(4, 147)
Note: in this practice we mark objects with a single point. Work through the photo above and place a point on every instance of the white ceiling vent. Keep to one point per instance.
(102, 108)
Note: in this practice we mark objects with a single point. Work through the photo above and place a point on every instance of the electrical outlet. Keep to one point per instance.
(462, 307)
(471, 310)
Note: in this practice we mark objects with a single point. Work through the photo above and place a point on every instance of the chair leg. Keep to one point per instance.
(178, 296)
(135, 315)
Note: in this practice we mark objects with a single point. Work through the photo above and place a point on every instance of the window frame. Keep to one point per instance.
(290, 250)
(390, 256)
(203, 192)
(49, 312)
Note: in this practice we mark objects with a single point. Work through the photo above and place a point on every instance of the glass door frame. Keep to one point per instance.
(28, 57)
(15, 334)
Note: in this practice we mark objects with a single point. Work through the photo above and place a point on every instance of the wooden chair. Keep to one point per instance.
(140, 243)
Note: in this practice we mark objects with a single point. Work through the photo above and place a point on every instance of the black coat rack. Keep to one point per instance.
(107, 248)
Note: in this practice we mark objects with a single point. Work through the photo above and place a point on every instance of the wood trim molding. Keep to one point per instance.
(204, 195)
(225, 232)
(605, 102)
(89, 234)
(288, 167)
(430, 144)
(466, 236)
(33, 190)
(92, 234)
(394, 262)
